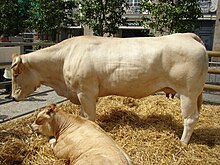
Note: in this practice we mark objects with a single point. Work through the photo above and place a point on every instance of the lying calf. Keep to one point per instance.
(79, 140)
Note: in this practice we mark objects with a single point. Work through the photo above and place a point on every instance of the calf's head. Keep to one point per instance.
(43, 123)
(24, 79)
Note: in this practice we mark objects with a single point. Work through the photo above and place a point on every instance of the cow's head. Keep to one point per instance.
(24, 79)
(43, 123)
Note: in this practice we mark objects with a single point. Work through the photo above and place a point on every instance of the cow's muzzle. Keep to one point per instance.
(14, 99)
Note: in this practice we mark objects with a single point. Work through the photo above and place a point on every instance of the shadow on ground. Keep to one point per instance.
(205, 136)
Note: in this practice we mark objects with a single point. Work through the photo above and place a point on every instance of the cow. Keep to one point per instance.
(78, 140)
(87, 67)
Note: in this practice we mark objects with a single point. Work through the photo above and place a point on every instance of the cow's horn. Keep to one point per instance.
(17, 61)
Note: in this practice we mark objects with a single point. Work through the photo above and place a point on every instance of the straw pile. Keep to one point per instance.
(148, 129)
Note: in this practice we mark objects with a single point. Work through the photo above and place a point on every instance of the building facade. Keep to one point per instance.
(206, 24)
(216, 42)
(206, 28)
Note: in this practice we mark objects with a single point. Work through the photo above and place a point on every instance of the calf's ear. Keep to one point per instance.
(51, 109)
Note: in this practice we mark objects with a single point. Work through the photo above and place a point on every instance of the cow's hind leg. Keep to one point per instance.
(190, 112)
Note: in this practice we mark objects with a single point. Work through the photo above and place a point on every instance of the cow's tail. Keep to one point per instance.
(199, 102)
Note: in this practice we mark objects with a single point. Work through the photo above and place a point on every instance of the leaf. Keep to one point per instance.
(166, 17)
(102, 16)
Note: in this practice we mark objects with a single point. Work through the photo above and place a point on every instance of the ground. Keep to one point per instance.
(148, 129)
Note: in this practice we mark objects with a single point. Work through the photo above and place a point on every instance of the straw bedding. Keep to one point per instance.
(148, 129)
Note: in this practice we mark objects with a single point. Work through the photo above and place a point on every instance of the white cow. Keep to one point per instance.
(85, 68)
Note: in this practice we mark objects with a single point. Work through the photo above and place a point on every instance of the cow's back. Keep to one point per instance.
(119, 64)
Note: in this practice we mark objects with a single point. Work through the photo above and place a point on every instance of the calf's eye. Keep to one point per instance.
(39, 121)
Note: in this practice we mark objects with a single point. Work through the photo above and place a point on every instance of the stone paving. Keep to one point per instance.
(211, 97)
(42, 97)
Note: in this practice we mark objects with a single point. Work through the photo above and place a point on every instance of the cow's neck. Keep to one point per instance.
(48, 63)
(62, 123)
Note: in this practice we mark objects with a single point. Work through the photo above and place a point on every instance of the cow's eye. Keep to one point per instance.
(39, 121)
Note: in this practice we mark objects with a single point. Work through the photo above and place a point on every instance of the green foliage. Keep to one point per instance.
(51, 15)
(168, 17)
(103, 16)
(13, 16)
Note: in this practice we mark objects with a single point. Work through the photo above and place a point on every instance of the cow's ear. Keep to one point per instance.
(53, 106)
(14, 55)
(17, 66)
(16, 61)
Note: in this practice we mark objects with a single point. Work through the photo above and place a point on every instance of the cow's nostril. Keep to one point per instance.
(14, 99)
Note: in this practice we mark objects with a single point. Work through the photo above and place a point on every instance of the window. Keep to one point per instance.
(133, 7)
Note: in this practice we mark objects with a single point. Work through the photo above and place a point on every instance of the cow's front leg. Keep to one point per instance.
(190, 114)
(88, 105)
(52, 142)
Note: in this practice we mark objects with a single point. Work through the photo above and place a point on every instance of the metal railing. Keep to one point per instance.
(21, 44)
(213, 81)
(26, 43)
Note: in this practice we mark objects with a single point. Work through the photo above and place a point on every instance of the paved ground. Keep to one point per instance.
(211, 98)
(42, 97)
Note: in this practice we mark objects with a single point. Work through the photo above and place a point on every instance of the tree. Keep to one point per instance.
(13, 16)
(103, 16)
(52, 16)
(168, 16)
